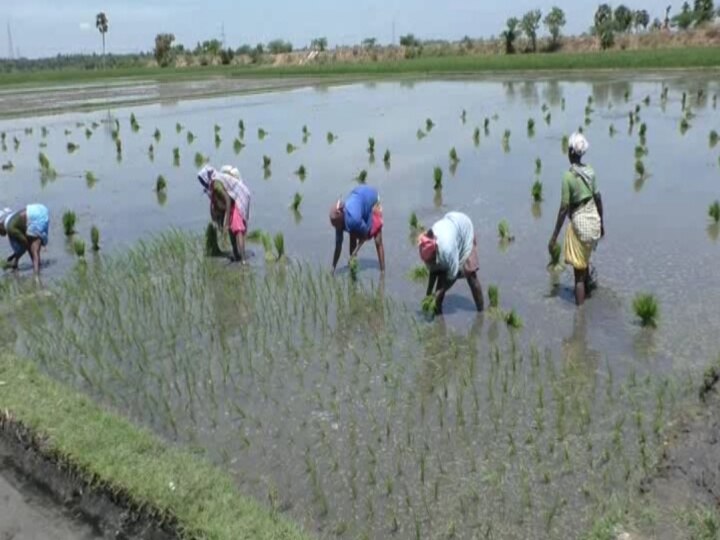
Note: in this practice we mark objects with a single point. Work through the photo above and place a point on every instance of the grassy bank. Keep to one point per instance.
(670, 58)
(110, 451)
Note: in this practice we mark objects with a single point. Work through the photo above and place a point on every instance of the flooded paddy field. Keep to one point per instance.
(337, 402)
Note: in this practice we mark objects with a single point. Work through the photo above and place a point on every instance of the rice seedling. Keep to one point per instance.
(429, 305)
(79, 247)
(218, 140)
(486, 126)
(371, 146)
(429, 124)
(646, 309)
(643, 130)
(330, 137)
(640, 168)
(504, 231)
(714, 138)
(212, 247)
(564, 144)
(631, 119)
(362, 176)
(646, 101)
(354, 268)
(8, 166)
(199, 160)
(301, 172)
(134, 123)
(684, 100)
(151, 152)
(238, 146)
(548, 118)
(714, 211)
(506, 141)
(44, 161)
(537, 191)
(95, 238)
(531, 127)
(88, 133)
(290, 148)
(453, 155)
(420, 134)
(255, 236)
(555, 251)
(118, 148)
(494, 296)
(437, 178)
(178, 127)
(160, 184)
(68, 132)
(69, 219)
(279, 242)
(305, 131)
(296, 202)
(386, 157)
(261, 134)
(538, 166)
(463, 116)
(190, 137)
(241, 126)
(419, 273)
(513, 320)
(476, 136)
(414, 222)
(157, 135)
(90, 179)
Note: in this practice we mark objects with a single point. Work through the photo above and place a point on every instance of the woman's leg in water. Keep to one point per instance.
(581, 277)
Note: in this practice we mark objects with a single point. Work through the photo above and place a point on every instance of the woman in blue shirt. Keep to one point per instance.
(360, 216)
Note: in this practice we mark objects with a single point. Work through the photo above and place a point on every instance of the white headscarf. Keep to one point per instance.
(205, 176)
(4, 214)
(578, 143)
(232, 171)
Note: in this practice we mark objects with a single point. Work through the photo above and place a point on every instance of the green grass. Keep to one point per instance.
(108, 450)
(646, 309)
(677, 58)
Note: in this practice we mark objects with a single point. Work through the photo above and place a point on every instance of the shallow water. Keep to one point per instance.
(658, 234)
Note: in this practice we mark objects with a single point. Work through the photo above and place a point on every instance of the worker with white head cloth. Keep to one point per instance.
(582, 203)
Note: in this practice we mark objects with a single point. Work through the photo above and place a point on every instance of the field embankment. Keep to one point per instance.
(121, 476)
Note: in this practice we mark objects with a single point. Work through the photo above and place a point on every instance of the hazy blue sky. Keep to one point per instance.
(48, 27)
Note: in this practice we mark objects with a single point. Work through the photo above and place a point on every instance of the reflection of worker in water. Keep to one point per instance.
(229, 204)
(580, 201)
(360, 215)
(449, 249)
(27, 230)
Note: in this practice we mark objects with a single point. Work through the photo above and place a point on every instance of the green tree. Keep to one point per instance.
(278, 46)
(163, 49)
(704, 11)
(604, 26)
(409, 40)
(530, 24)
(369, 43)
(641, 19)
(603, 15)
(554, 22)
(319, 44)
(685, 18)
(510, 34)
(102, 23)
(623, 18)
(226, 56)
(656, 25)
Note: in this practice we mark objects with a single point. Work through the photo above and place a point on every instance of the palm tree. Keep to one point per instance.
(101, 23)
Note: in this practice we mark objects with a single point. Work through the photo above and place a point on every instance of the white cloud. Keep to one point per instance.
(84, 26)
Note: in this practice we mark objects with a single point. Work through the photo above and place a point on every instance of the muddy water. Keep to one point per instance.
(658, 234)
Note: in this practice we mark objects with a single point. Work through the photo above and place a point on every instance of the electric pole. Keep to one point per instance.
(11, 49)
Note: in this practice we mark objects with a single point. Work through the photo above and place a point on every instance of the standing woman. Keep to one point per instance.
(582, 203)
(229, 204)
(27, 230)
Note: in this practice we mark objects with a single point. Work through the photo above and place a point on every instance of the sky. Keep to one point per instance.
(49, 27)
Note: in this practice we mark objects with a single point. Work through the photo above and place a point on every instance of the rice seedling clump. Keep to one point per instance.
(69, 220)
(646, 309)
(714, 211)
